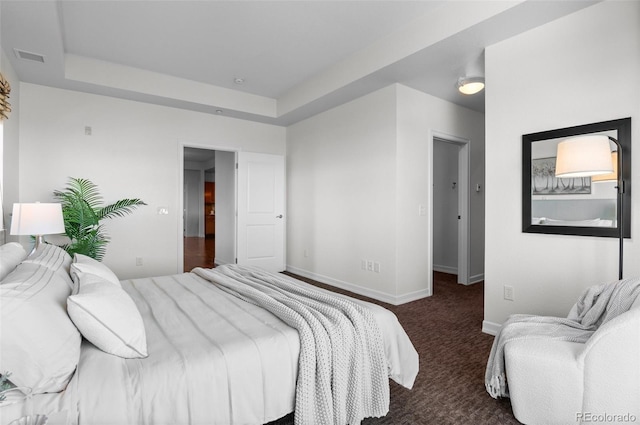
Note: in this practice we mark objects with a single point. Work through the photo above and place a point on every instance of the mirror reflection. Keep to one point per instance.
(576, 201)
(577, 205)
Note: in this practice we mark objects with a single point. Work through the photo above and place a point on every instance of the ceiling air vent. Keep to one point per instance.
(21, 54)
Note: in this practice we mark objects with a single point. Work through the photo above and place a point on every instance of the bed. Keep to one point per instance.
(214, 346)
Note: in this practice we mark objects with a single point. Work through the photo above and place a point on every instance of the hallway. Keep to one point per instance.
(199, 252)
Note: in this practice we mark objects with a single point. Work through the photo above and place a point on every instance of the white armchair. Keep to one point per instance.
(561, 382)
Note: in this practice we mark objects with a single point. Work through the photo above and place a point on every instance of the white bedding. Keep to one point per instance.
(342, 366)
(213, 359)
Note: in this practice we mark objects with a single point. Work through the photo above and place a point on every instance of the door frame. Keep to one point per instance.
(180, 216)
(463, 204)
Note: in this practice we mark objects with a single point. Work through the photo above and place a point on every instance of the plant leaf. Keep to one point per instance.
(119, 208)
(82, 212)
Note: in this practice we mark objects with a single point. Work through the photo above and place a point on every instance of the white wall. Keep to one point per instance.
(419, 116)
(193, 190)
(9, 147)
(445, 207)
(133, 152)
(341, 174)
(225, 207)
(581, 69)
(356, 176)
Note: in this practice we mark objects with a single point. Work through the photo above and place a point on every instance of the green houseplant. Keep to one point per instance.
(5, 384)
(82, 212)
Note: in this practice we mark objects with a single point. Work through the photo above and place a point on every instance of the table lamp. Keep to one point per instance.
(37, 219)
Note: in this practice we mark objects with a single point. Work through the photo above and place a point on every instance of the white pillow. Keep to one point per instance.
(107, 316)
(40, 345)
(11, 254)
(83, 265)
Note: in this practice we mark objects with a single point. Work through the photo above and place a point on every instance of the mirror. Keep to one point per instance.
(574, 206)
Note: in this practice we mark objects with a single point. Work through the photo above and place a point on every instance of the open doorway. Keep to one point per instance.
(450, 206)
(208, 206)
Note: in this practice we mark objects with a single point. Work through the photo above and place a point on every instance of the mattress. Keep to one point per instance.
(213, 359)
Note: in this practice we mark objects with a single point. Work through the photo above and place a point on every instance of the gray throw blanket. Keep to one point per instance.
(596, 306)
(342, 369)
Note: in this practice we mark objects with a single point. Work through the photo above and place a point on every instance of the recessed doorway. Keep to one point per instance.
(209, 204)
(449, 206)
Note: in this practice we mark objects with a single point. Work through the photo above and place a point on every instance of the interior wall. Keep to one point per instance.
(577, 70)
(133, 151)
(193, 191)
(357, 175)
(341, 174)
(9, 146)
(445, 207)
(225, 207)
(419, 116)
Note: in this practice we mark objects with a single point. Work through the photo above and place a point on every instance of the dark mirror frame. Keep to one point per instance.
(623, 128)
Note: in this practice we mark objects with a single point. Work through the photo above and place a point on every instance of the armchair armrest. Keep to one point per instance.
(545, 380)
(611, 360)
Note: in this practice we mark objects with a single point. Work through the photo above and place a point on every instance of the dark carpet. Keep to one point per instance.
(446, 331)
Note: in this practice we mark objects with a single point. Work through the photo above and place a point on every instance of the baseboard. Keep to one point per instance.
(453, 270)
(445, 269)
(476, 278)
(371, 293)
(490, 327)
(412, 296)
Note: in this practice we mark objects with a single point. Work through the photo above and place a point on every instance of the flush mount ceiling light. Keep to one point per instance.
(470, 85)
(239, 81)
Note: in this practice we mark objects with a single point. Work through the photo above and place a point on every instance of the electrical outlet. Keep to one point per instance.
(370, 266)
(508, 293)
(138, 261)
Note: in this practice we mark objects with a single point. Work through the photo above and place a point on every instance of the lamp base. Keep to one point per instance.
(39, 241)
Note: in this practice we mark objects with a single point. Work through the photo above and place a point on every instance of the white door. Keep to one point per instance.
(261, 208)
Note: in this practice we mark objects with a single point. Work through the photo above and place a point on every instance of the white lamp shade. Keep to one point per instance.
(37, 219)
(612, 176)
(584, 156)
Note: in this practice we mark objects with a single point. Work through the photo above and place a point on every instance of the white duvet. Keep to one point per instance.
(213, 359)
